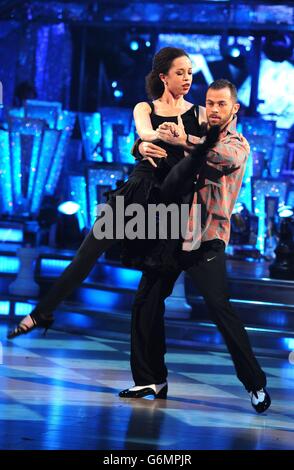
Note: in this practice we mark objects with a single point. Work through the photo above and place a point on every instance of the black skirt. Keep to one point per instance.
(143, 187)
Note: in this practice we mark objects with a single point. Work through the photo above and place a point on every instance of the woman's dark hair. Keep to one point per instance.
(162, 62)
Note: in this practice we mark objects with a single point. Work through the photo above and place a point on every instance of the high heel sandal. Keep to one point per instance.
(23, 328)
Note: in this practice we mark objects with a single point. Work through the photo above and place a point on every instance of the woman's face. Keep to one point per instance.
(178, 80)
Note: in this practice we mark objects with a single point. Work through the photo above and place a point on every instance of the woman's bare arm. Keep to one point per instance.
(143, 122)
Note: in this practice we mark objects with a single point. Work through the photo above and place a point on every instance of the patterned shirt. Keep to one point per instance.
(217, 189)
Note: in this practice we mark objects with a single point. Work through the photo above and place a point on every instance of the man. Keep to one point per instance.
(206, 265)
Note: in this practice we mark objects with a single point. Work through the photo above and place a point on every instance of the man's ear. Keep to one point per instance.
(236, 108)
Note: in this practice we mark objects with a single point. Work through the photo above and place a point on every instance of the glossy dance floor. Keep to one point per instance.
(60, 392)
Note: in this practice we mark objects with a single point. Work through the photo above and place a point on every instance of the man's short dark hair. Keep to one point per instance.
(223, 83)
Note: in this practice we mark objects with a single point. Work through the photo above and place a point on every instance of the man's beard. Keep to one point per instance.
(224, 121)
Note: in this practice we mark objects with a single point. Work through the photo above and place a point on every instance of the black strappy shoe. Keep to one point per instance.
(37, 322)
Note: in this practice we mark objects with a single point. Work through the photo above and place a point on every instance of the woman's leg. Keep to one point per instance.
(79, 268)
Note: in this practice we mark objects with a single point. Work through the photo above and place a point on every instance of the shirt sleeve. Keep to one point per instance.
(231, 151)
(135, 150)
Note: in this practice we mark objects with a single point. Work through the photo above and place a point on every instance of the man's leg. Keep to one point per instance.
(209, 274)
(148, 336)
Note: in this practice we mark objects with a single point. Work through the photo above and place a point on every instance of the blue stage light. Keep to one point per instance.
(118, 94)
(100, 180)
(101, 299)
(11, 235)
(46, 155)
(39, 162)
(112, 117)
(123, 277)
(53, 267)
(285, 211)
(275, 83)
(9, 264)
(6, 199)
(235, 52)
(78, 191)
(134, 45)
(288, 343)
(114, 84)
(68, 208)
(65, 124)
(49, 111)
(147, 43)
(91, 128)
(23, 309)
(1, 95)
(4, 307)
(239, 207)
(24, 128)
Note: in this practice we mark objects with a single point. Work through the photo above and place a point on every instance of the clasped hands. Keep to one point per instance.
(168, 132)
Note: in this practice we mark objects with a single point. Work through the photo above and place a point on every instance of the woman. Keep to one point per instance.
(167, 84)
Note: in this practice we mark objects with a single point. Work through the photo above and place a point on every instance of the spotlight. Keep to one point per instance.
(68, 208)
(134, 45)
(235, 51)
(232, 50)
(239, 207)
(285, 211)
(118, 94)
(68, 233)
(114, 84)
(278, 47)
(137, 42)
(283, 266)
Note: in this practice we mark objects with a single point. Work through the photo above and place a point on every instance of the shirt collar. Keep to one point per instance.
(231, 128)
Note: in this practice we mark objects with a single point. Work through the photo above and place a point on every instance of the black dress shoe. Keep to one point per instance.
(143, 392)
(260, 406)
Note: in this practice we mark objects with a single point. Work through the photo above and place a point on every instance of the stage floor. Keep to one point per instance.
(60, 392)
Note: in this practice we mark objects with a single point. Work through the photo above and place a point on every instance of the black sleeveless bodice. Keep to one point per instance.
(174, 152)
(190, 122)
(143, 187)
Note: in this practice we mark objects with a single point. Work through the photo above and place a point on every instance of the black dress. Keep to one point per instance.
(143, 187)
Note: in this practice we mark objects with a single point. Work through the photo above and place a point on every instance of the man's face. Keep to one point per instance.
(220, 107)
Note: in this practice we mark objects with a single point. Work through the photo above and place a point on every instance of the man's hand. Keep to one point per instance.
(149, 150)
(172, 133)
(169, 126)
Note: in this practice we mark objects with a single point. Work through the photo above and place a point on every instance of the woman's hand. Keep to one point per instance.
(149, 150)
(169, 126)
(172, 133)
